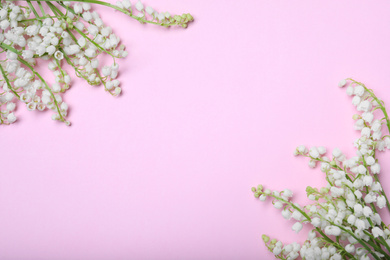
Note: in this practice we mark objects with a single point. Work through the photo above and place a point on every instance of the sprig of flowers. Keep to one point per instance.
(343, 215)
(62, 32)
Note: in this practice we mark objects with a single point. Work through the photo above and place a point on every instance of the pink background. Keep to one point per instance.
(165, 170)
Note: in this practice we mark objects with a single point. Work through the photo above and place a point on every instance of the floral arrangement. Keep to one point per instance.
(62, 32)
(344, 215)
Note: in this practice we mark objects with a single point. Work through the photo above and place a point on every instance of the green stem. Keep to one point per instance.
(32, 8)
(376, 244)
(6, 46)
(7, 80)
(383, 242)
(140, 19)
(372, 238)
(38, 18)
(42, 10)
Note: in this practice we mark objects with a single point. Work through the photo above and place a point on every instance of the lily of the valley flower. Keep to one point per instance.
(71, 33)
(344, 216)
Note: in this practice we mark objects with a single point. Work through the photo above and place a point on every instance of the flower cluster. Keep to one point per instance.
(62, 32)
(344, 214)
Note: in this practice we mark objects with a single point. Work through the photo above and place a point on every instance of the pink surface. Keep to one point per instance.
(165, 170)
